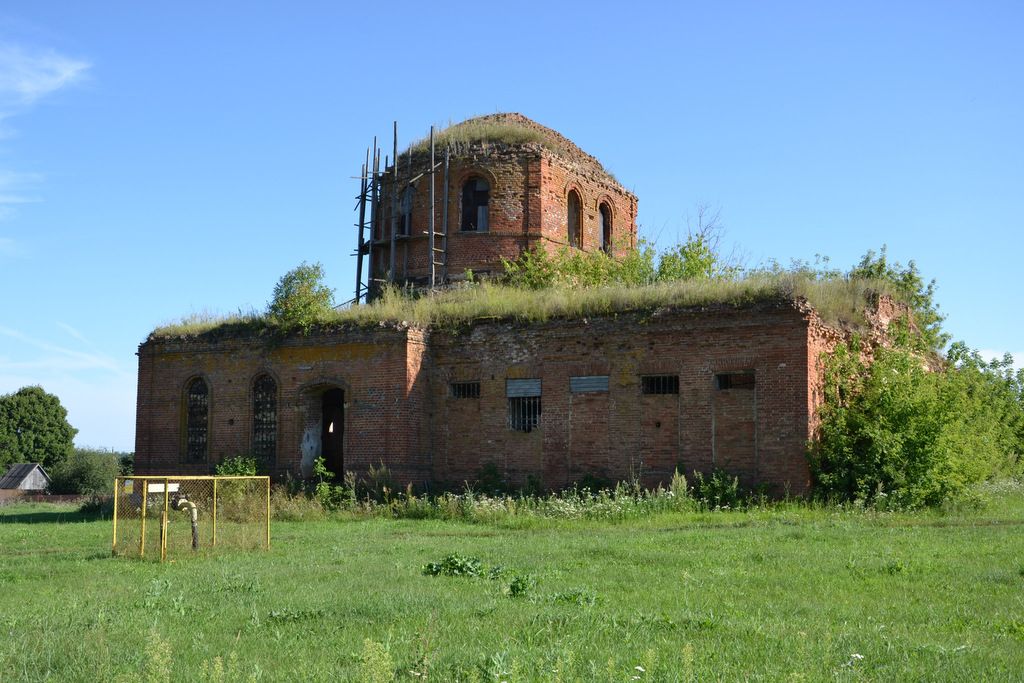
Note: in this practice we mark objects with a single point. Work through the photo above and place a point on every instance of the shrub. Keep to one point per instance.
(301, 299)
(239, 466)
(720, 490)
(454, 565)
(920, 437)
(87, 472)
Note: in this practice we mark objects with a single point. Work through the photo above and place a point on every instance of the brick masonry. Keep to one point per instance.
(399, 409)
(530, 185)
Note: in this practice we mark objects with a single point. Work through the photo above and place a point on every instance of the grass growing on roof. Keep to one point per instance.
(837, 301)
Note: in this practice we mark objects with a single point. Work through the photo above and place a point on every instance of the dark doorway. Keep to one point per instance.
(332, 436)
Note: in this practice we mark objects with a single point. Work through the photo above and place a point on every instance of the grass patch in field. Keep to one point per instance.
(787, 593)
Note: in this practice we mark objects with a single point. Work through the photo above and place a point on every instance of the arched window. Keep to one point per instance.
(575, 220)
(197, 420)
(264, 419)
(605, 214)
(475, 197)
(405, 219)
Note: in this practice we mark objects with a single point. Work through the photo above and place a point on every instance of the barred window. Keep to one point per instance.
(735, 380)
(523, 404)
(523, 413)
(659, 384)
(197, 414)
(465, 389)
(264, 419)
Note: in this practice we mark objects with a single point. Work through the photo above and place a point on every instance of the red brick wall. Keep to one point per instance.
(558, 177)
(399, 411)
(377, 370)
(527, 205)
(624, 432)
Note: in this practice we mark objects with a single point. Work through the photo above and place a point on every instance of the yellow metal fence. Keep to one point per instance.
(175, 516)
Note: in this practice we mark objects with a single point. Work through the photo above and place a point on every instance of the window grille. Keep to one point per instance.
(660, 384)
(523, 413)
(589, 384)
(264, 419)
(197, 410)
(735, 380)
(465, 389)
(523, 404)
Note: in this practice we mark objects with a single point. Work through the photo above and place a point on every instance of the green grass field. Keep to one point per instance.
(787, 593)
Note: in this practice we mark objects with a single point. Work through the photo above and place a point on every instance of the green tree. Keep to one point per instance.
(86, 471)
(301, 299)
(699, 256)
(34, 428)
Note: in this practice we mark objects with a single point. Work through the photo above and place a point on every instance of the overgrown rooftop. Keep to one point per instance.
(840, 302)
(505, 129)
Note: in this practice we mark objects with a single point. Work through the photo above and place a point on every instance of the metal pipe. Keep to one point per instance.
(181, 503)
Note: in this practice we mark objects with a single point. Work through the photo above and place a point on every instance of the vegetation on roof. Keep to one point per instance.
(541, 286)
(499, 130)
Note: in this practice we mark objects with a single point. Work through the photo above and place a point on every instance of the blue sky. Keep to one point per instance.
(157, 162)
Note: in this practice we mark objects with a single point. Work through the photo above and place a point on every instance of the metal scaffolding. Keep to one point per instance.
(379, 185)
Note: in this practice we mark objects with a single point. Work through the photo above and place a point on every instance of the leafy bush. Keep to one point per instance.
(894, 429)
(301, 299)
(454, 565)
(87, 472)
(239, 466)
(520, 586)
(718, 491)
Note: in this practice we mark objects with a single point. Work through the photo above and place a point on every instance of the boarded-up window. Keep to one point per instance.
(588, 384)
(575, 219)
(523, 404)
(197, 420)
(264, 419)
(405, 223)
(659, 384)
(734, 380)
(465, 389)
(475, 198)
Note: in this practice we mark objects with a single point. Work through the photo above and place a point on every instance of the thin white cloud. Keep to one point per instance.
(15, 189)
(27, 76)
(73, 332)
(60, 357)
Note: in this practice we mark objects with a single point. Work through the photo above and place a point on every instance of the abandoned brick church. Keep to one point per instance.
(635, 394)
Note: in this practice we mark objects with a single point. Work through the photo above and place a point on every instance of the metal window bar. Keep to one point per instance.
(465, 389)
(523, 413)
(197, 420)
(264, 420)
(659, 384)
